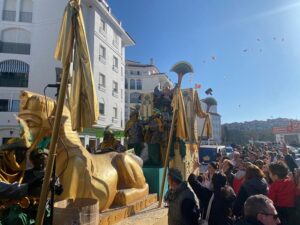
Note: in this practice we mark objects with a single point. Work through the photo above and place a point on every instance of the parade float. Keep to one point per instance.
(112, 185)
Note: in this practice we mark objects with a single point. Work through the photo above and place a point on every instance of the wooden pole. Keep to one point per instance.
(53, 144)
(167, 158)
(180, 76)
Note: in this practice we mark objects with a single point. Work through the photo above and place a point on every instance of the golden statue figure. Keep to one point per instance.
(112, 178)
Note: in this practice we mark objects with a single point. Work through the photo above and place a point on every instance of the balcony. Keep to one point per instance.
(13, 80)
(25, 17)
(14, 48)
(8, 15)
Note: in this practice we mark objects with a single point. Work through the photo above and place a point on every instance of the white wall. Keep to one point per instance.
(43, 32)
(16, 35)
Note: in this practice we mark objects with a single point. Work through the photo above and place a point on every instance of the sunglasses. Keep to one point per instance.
(275, 216)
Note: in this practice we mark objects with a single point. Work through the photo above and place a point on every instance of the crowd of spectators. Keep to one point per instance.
(230, 189)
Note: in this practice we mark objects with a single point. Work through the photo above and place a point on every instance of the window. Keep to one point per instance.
(121, 93)
(115, 112)
(26, 11)
(115, 63)
(16, 41)
(4, 105)
(9, 11)
(116, 40)
(15, 105)
(14, 73)
(102, 107)
(126, 83)
(139, 84)
(102, 53)
(7, 105)
(115, 87)
(58, 72)
(102, 26)
(135, 97)
(101, 81)
(132, 84)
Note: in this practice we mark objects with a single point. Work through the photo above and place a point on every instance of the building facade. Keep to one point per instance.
(141, 79)
(215, 119)
(29, 31)
(289, 134)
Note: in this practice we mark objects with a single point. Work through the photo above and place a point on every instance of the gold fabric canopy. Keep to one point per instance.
(83, 99)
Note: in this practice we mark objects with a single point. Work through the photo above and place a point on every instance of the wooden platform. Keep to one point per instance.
(113, 216)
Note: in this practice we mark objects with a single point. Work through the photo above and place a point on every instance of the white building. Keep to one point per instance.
(139, 79)
(215, 119)
(29, 31)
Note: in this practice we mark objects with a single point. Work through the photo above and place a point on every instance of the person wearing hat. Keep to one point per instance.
(153, 137)
(109, 143)
(134, 132)
(181, 202)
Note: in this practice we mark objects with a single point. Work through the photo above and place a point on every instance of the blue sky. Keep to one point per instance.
(255, 43)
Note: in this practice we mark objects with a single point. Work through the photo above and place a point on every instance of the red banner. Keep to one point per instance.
(293, 127)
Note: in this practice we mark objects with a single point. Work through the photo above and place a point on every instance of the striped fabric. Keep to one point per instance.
(14, 66)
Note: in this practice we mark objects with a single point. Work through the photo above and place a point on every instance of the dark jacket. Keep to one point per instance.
(182, 206)
(221, 206)
(229, 177)
(250, 187)
(249, 222)
(290, 162)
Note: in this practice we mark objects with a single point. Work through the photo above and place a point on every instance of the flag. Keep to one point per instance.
(198, 86)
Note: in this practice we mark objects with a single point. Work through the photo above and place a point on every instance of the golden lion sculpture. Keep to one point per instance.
(112, 178)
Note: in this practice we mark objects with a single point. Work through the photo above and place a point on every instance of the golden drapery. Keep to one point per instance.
(10, 170)
(200, 113)
(83, 98)
(178, 104)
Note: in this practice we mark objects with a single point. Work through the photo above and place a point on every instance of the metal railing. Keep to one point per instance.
(9, 15)
(14, 48)
(25, 17)
(13, 82)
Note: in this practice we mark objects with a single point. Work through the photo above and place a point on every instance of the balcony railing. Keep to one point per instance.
(25, 17)
(13, 82)
(14, 48)
(8, 15)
